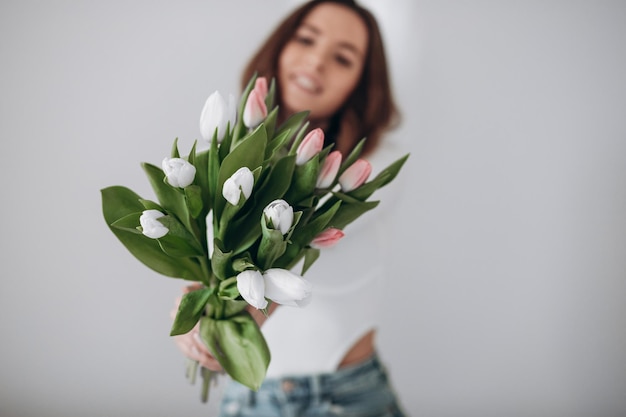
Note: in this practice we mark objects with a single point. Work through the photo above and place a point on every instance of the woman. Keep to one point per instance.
(328, 58)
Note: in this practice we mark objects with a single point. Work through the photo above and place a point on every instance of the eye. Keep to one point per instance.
(343, 61)
(303, 39)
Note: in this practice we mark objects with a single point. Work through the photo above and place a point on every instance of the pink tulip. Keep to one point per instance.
(260, 85)
(310, 146)
(255, 110)
(327, 238)
(355, 175)
(329, 170)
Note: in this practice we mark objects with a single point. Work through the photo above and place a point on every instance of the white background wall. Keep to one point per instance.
(510, 268)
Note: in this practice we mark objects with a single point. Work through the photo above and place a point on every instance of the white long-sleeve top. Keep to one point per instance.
(348, 280)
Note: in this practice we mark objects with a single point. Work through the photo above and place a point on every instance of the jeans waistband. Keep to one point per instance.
(321, 385)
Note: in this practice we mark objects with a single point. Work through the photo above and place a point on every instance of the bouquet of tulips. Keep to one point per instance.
(239, 216)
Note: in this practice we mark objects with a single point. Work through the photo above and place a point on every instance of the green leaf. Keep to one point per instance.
(230, 210)
(191, 158)
(272, 246)
(275, 146)
(128, 223)
(304, 233)
(150, 205)
(238, 345)
(248, 153)
(234, 307)
(310, 256)
(179, 242)
(295, 143)
(293, 123)
(119, 202)
(213, 169)
(170, 198)
(228, 289)
(347, 213)
(177, 247)
(239, 128)
(175, 153)
(277, 182)
(383, 178)
(193, 197)
(308, 202)
(190, 310)
(270, 122)
(201, 162)
(297, 216)
(324, 153)
(352, 157)
(220, 260)
(245, 230)
(271, 94)
(223, 147)
(243, 262)
(314, 227)
(303, 181)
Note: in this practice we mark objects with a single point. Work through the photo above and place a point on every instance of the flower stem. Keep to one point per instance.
(206, 380)
(192, 370)
(207, 273)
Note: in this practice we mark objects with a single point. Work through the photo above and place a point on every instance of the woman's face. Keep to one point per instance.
(321, 65)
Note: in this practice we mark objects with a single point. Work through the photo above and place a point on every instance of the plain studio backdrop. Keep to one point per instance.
(508, 288)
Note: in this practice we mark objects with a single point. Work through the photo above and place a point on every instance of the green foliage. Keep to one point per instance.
(241, 238)
(239, 346)
(191, 308)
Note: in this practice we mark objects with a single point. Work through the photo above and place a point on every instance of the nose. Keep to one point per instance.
(317, 57)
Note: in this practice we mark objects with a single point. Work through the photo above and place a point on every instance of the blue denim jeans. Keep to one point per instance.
(361, 390)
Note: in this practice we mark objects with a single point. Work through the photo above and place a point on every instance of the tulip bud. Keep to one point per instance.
(240, 182)
(279, 215)
(327, 238)
(310, 146)
(151, 227)
(355, 175)
(261, 86)
(329, 170)
(251, 286)
(255, 109)
(287, 288)
(216, 114)
(179, 172)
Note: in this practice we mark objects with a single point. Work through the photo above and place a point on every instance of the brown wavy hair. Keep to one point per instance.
(370, 110)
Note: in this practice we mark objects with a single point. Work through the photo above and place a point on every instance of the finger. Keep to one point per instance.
(191, 287)
(207, 359)
(192, 347)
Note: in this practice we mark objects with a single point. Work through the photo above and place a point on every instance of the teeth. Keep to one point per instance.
(306, 83)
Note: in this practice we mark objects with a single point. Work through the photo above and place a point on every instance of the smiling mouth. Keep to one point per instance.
(307, 84)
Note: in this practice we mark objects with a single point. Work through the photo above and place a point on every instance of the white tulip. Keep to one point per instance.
(240, 182)
(287, 288)
(279, 215)
(252, 288)
(216, 114)
(179, 172)
(151, 227)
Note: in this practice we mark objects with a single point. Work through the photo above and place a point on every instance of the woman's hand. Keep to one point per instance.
(192, 346)
(190, 343)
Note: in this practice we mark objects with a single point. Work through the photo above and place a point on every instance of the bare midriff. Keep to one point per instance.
(362, 350)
